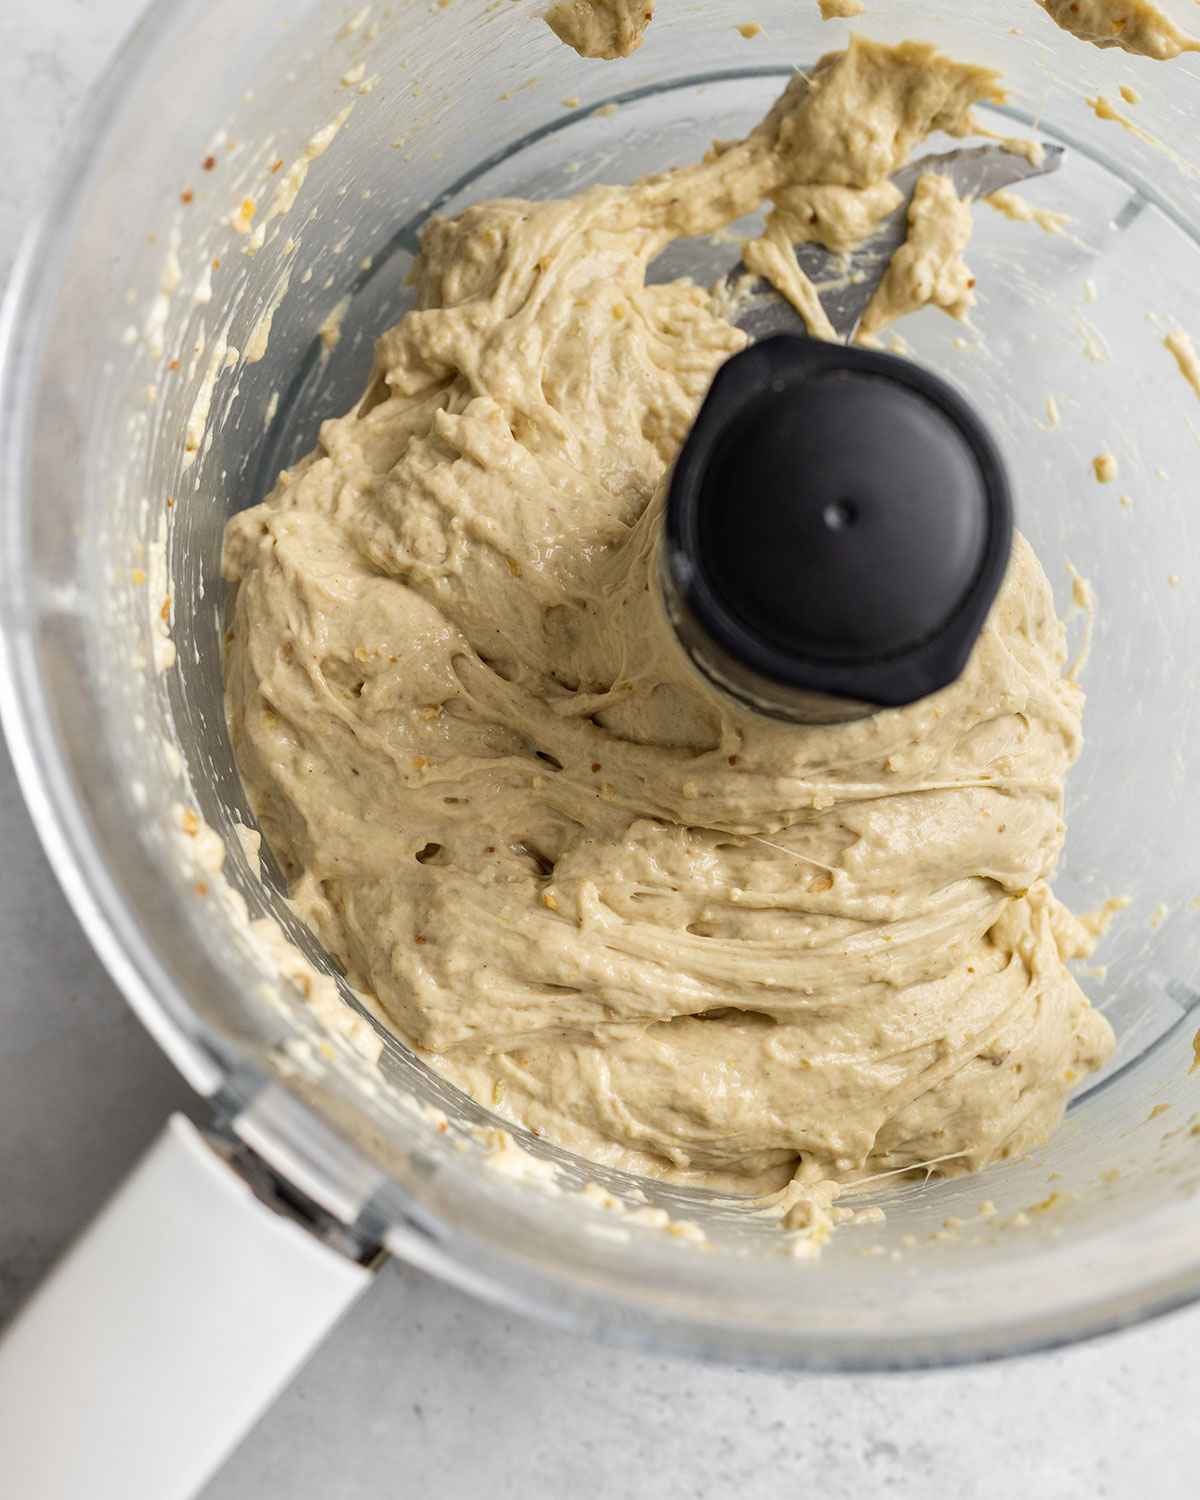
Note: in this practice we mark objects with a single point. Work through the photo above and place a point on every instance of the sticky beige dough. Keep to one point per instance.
(1135, 26)
(1181, 346)
(928, 269)
(1021, 211)
(601, 28)
(610, 903)
(616, 28)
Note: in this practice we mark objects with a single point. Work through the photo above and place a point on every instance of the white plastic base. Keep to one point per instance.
(163, 1334)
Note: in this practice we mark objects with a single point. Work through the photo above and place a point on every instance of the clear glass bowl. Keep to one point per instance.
(453, 104)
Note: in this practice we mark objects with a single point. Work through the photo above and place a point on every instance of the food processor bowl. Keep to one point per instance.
(161, 365)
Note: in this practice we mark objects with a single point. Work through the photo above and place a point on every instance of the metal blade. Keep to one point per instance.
(975, 171)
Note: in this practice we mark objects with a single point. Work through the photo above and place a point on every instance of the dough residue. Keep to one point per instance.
(1103, 109)
(616, 28)
(928, 269)
(1104, 466)
(601, 28)
(1019, 209)
(613, 905)
(1135, 26)
(1181, 346)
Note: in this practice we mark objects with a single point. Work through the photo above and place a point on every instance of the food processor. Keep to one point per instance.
(165, 357)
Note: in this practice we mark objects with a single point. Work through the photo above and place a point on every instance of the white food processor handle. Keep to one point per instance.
(163, 1334)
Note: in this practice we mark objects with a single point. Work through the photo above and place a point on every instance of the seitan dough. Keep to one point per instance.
(613, 905)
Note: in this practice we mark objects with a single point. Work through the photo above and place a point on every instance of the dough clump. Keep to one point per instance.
(616, 28)
(601, 28)
(659, 929)
(1135, 26)
(928, 270)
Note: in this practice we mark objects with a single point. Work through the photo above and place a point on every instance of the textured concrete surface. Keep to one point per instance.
(422, 1391)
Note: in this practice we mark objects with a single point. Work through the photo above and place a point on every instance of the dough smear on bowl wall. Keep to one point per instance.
(616, 28)
(655, 927)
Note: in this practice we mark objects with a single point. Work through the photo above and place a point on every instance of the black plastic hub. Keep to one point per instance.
(838, 525)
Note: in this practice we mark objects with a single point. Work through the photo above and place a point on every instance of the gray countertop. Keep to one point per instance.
(421, 1390)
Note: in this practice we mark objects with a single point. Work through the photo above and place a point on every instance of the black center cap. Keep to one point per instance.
(838, 525)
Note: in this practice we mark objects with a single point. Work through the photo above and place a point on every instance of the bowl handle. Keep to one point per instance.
(162, 1335)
